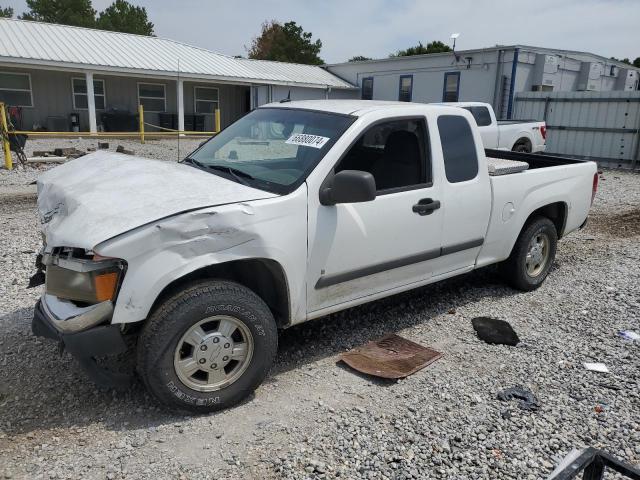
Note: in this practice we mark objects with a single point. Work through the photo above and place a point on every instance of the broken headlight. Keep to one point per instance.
(85, 278)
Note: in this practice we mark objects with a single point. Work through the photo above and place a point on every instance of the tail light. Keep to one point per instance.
(543, 131)
(594, 189)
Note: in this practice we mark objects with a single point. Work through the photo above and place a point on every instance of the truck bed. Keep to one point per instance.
(501, 162)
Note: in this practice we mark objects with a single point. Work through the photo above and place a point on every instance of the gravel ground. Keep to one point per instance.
(313, 418)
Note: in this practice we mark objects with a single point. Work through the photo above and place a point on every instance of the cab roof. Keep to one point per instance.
(350, 107)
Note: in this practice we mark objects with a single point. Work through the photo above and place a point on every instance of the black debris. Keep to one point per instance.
(528, 400)
(36, 279)
(505, 414)
(103, 145)
(66, 152)
(121, 149)
(495, 331)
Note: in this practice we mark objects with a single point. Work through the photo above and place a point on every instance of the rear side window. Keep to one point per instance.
(458, 148)
(481, 115)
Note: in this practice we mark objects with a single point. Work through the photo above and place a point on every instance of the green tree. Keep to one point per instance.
(6, 12)
(432, 47)
(624, 60)
(636, 62)
(121, 16)
(285, 43)
(79, 13)
(359, 58)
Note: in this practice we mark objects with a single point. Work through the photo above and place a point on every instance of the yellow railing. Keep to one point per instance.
(141, 133)
(141, 120)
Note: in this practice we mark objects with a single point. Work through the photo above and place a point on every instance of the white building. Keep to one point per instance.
(490, 75)
(48, 72)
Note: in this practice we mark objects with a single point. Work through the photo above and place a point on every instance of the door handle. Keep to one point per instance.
(426, 206)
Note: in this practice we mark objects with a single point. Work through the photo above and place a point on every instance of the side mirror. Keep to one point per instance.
(348, 186)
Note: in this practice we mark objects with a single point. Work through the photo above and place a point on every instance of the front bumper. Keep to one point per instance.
(66, 317)
(85, 345)
(94, 341)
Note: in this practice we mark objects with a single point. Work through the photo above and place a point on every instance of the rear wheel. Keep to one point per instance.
(532, 255)
(522, 146)
(207, 347)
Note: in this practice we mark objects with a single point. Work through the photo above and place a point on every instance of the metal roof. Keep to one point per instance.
(575, 54)
(27, 42)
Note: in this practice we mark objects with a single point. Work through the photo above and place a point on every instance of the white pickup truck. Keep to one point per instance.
(295, 211)
(517, 135)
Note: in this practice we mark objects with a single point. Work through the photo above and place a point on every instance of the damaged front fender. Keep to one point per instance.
(167, 250)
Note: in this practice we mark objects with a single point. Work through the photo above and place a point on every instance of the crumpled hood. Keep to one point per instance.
(98, 196)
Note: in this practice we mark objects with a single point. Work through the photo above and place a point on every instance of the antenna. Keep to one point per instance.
(453, 37)
(288, 99)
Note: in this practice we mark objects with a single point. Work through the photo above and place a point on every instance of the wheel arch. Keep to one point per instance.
(523, 139)
(556, 212)
(263, 276)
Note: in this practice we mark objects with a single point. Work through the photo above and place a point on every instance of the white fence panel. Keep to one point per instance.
(601, 125)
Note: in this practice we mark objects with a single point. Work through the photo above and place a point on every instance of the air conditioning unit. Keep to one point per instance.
(545, 71)
(628, 79)
(611, 71)
(590, 75)
(542, 88)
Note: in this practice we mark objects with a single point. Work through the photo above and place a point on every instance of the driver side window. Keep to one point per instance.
(394, 152)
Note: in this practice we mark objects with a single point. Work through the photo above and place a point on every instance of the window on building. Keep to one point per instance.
(79, 92)
(15, 89)
(406, 88)
(458, 148)
(451, 88)
(367, 88)
(395, 153)
(206, 99)
(152, 97)
(481, 115)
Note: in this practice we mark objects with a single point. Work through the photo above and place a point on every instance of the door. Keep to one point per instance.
(466, 194)
(362, 249)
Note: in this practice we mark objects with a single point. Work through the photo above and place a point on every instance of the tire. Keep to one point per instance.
(522, 147)
(172, 345)
(526, 273)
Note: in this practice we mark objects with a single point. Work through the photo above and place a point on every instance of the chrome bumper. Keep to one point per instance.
(66, 317)
(76, 331)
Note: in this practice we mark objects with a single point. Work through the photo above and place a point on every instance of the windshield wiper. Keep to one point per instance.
(193, 161)
(239, 175)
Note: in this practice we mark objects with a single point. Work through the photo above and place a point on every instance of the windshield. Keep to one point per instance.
(272, 148)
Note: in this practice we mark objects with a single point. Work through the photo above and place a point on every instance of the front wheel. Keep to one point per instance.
(532, 255)
(207, 347)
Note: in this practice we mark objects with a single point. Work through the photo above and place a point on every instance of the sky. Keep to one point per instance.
(375, 28)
